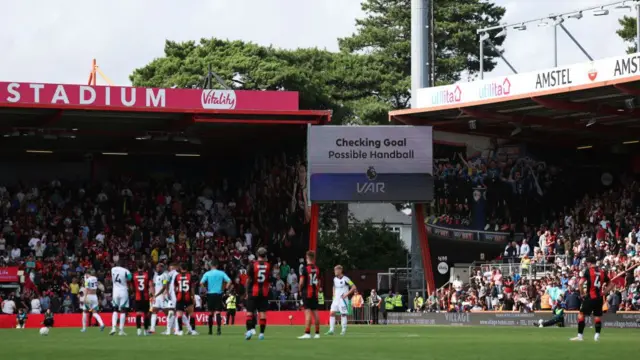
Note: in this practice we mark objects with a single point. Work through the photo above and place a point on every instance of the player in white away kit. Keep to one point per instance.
(170, 301)
(343, 287)
(120, 278)
(90, 300)
(161, 285)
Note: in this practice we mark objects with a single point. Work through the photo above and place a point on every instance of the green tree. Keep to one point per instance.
(364, 246)
(385, 34)
(628, 32)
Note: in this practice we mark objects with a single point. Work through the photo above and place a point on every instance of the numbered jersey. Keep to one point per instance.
(91, 283)
(120, 276)
(141, 283)
(341, 286)
(310, 275)
(259, 273)
(594, 278)
(183, 287)
(159, 280)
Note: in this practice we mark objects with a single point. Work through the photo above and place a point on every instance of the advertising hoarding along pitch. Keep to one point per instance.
(370, 163)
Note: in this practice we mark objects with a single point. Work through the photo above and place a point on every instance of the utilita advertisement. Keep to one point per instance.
(370, 163)
(539, 83)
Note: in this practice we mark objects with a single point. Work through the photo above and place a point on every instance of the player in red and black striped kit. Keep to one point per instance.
(309, 281)
(185, 295)
(592, 285)
(143, 286)
(259, 279)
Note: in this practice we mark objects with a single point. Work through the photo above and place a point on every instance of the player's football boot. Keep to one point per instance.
(179, 333)
(194, 333)
(261, 337)
(139, 332)
(83, 330)
(112, 332)
(316, 336)
(122, 333)
(343, 333)
(329, 333)
(304, 337)
(577, 338)
(596, 337)
(101, 327)
(248, 335)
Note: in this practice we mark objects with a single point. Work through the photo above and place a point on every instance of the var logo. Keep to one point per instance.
(370, 188)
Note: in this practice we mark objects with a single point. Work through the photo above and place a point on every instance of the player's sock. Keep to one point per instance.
(154, 318)
(114, 321)
(249, 321)
(170, 319)
(138, 321)
(98, 319)
(598, 326)
(192, 322)
(307, 329)
(263, 325)
(147, 321)
(580, 327)
(123, 318)
(84, 321)
(343, 323)
(185, 321)
(332, 323)
(179, 321)
(317, 329)
(210, 323)
(219, 321)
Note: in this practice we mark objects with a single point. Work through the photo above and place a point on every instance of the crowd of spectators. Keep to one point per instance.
(543, 270)
(56, 231)
(516, 190)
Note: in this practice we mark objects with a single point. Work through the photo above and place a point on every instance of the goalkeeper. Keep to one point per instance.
(557, 319)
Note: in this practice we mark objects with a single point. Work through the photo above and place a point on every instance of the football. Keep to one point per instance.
(44, 331)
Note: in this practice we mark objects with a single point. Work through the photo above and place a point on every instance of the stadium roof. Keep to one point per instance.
(586, 104)
(82, 118)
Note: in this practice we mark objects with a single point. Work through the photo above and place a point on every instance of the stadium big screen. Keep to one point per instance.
(370, 163)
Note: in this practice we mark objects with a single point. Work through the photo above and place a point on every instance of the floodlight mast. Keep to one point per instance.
(557, 21)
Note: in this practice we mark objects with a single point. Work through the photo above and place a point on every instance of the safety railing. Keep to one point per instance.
(536, 268)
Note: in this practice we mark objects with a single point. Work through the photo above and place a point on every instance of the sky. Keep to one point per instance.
(54, 41)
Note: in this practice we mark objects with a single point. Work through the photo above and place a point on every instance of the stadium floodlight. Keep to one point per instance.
(39, 151)
(557, 21)
(591, 122)
(584, 147)
(520, 27)
(576, 16)
(623, 6)
(484, 36)
(543, 23)
(502, 33)
(115, 153)
(188, 155)
(516, 131)
(601, 12)
(631, 142)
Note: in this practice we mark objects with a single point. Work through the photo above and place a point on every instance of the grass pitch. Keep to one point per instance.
(361, 342)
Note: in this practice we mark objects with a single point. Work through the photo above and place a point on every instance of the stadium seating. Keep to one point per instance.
(56, 231)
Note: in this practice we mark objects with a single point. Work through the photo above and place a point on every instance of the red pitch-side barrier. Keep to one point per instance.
(75, 320)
